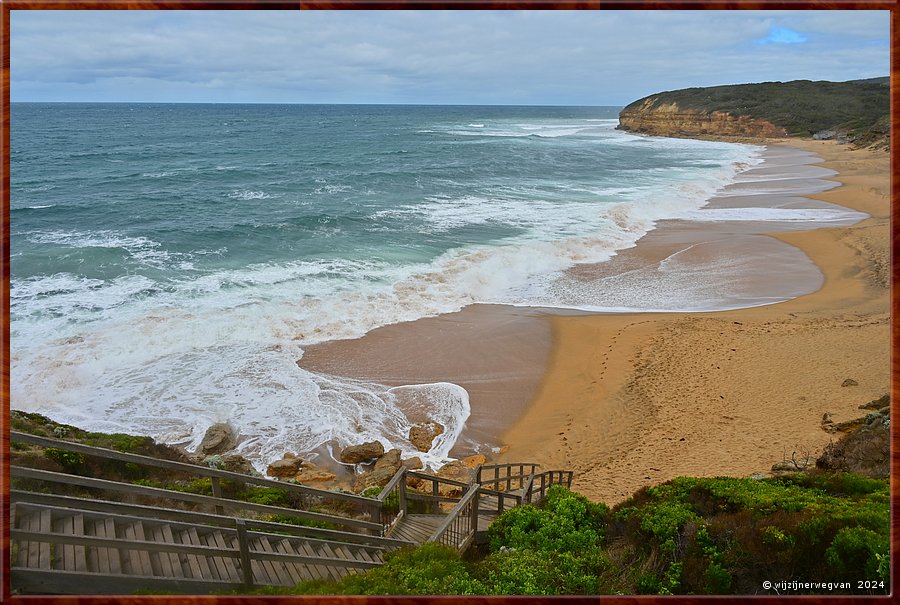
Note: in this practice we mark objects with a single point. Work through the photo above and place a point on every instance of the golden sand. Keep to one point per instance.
(636, 399)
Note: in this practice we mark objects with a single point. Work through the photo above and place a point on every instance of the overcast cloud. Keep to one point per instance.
(464, 57)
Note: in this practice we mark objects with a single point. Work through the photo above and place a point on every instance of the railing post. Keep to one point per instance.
(244, 547)
(435, 505)
(217, 493)
(478, 475)
(402, 497)
(474, 505)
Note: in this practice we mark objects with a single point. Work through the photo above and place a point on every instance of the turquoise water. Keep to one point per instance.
(169, 262)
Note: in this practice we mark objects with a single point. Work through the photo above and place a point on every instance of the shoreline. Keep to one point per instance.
(724, 392)
(528, 387)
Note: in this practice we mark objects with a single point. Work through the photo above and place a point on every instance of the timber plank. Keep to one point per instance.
(228, 566)
(261, 569)
(44, 549)
(298, 571)
(319, 572)
(29, 551)
(143, 556)
(202, 561)
(107, 558)
(325, 551)
(174, 559)
(65, 558)
(276, 569)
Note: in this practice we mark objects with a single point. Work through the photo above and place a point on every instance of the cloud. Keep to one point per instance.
(514, 57)
(783, 35)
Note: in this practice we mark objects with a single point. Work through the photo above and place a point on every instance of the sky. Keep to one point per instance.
(430, 57)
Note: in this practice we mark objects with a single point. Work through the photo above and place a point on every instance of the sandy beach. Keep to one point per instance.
(633, 399)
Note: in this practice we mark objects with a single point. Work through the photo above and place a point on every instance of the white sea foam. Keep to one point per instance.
(804, 215)
(92, 352)
(244, 194)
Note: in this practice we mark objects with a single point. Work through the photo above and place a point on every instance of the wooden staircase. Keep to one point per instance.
(63, 544)
(62, 549)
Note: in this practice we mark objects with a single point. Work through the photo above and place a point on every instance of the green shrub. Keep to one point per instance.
(567, 522)
(70, 461)
(270, 496)
(520, 572)
(431, 569)
(854, 552)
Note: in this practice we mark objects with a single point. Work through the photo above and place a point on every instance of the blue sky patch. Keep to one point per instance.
(783, 35)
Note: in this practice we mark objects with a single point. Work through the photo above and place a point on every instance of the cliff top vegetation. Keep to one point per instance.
(801, 107)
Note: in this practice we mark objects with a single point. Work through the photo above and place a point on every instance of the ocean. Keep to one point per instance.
(170, 261)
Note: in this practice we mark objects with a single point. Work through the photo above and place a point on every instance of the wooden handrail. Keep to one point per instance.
(385, 492)
(195, 469)
(193, 518)
(31, 473)
(526, 493)
(436, 479)
(471, 494)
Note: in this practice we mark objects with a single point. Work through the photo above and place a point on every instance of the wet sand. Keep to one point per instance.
(630, 399)
(634, 400)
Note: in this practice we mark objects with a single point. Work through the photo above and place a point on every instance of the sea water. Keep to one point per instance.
(170, 261)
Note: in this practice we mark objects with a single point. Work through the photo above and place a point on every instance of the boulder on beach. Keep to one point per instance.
(422, 435)
(310, 473)
(286, 467)
(361, 453)
(474, 461)
(219, 438)
(385, 468)
(413, 463)
(236, 463)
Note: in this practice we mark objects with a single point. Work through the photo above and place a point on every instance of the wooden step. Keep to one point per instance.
(167, 564)
(135, 562)
(298, 571)
(33, 554)
(194, 566)
(108, 559)
(277, 571)
(70, 557)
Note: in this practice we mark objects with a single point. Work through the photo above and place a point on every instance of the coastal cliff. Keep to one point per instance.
(853, 111)
(668, 119)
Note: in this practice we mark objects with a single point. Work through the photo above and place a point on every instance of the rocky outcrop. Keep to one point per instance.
(219, 438)
(361, 453)
(668, 119)
(414, 463)
(288, 466)
(385, 468)
(310, 473)
(422, 435)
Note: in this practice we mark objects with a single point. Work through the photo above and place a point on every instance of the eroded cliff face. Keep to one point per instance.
(670, 120)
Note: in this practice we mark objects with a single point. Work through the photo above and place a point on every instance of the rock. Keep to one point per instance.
(877, 404)
(825, 135)
(422, 435)
(236, 463)
(456, 471)
(385, 468)
(310, 473)
(473, 461)
(360, 453)
(413, 463)
(849, 383)
(286, 467)
(219, 438)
